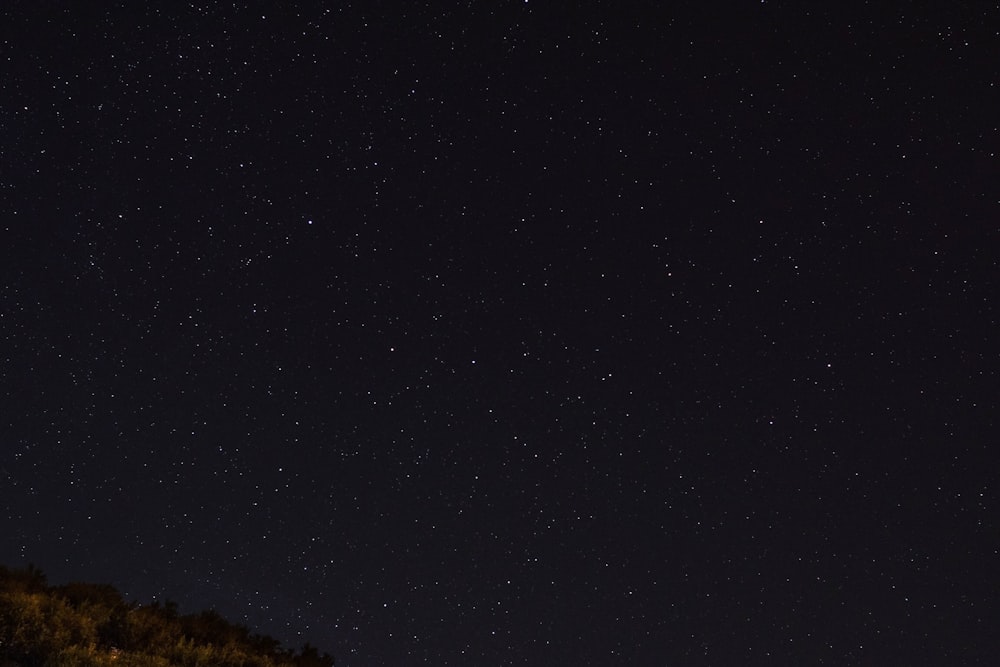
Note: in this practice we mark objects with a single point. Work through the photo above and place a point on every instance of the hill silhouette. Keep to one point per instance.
(91, 625)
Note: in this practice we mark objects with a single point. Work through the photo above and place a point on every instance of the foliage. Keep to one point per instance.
(91, 625)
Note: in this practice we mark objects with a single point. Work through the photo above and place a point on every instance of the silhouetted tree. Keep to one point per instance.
(30, 580)
(310, 657)
(78, 594)
(90, 625)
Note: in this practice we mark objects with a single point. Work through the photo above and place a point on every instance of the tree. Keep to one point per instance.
(90, 625)
(78, 593)
(30, 580)
(310, 657)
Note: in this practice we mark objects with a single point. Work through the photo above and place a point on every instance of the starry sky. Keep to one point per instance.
(510, 333)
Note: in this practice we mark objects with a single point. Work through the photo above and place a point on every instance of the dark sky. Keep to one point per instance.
(502, 333)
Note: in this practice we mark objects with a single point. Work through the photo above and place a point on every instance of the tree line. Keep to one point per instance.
(91, 625)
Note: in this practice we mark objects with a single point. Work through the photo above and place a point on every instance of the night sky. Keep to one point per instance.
(507, 333)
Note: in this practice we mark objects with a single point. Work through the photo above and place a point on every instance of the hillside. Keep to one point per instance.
(91, 625)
